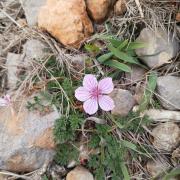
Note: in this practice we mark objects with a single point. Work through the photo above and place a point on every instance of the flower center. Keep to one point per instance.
(95, 93)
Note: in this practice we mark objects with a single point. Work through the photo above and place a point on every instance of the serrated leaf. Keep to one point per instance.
(129, 145)
(152, 81)
(121, 55)
(123, 44)
(115, 42)
(124, 171)
(92, 48)
(136, 45)
(118, 65)
(105, 57)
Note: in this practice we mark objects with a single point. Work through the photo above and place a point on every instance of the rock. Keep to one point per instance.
(31, 9)
(156, 167)
(175, 156)
(168, 88)
(178, 17)
(3, 177)
(137, 74)
(159, 47)
(12, 63)
(120, 7)
(123, 100)
(78, 62)
(166, 136)
(67, 21)
(26, 136)
(34, 50)
(161, 115)
(79, 173)
(98, 9)
(139, 92)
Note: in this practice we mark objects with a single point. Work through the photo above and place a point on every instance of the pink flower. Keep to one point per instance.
(93, 93)
(5, 101)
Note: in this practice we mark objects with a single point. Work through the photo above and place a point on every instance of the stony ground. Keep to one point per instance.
(49, 129)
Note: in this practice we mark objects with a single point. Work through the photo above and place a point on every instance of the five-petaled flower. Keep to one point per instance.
(5, 101)
(94, 93)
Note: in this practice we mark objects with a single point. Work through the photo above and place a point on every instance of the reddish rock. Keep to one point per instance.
(79, 173)
(98, 9)
(67, 21)
(120, 7)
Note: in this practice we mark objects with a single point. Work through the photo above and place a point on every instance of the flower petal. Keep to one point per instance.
(90, 82)
(106, 85)
(3, 102)
(106, 103)
(90, 106)
(82, 94)
(7, 98)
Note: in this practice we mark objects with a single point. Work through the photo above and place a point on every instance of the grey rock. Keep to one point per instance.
(26, 138)
(166, 136)
(156, 167)
(168, 89)
(34, 50)
(137, 74)
(12, 63)
(31, 8)
(123, 100)
(160, 47)
(79, 61)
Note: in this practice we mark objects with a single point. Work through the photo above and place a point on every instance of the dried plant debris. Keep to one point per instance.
(134, 45)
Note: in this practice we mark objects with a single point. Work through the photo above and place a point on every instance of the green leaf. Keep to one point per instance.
(92, 48)
(132, 146)
(124, 171)
(123, 45)
(129, 145)
(121, 55)
(105, 57)
(152, 81)
(115, 42)
(136, 45)
(118, 65)
(173, 173)
(44, 177)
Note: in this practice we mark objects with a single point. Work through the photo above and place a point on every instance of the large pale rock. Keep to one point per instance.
(67, 21)
(123, 100)
(159, 47)
(168, 88)
(13, 62)
(31, 9)
(98, 9)
(79, 173)
(166, 136)
(26, 138)
(156, 167)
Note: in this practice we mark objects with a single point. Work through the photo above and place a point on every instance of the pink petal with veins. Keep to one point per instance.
(90, 82)
(82, 94)
(106, 103)
(106, 85)
(90, 106)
